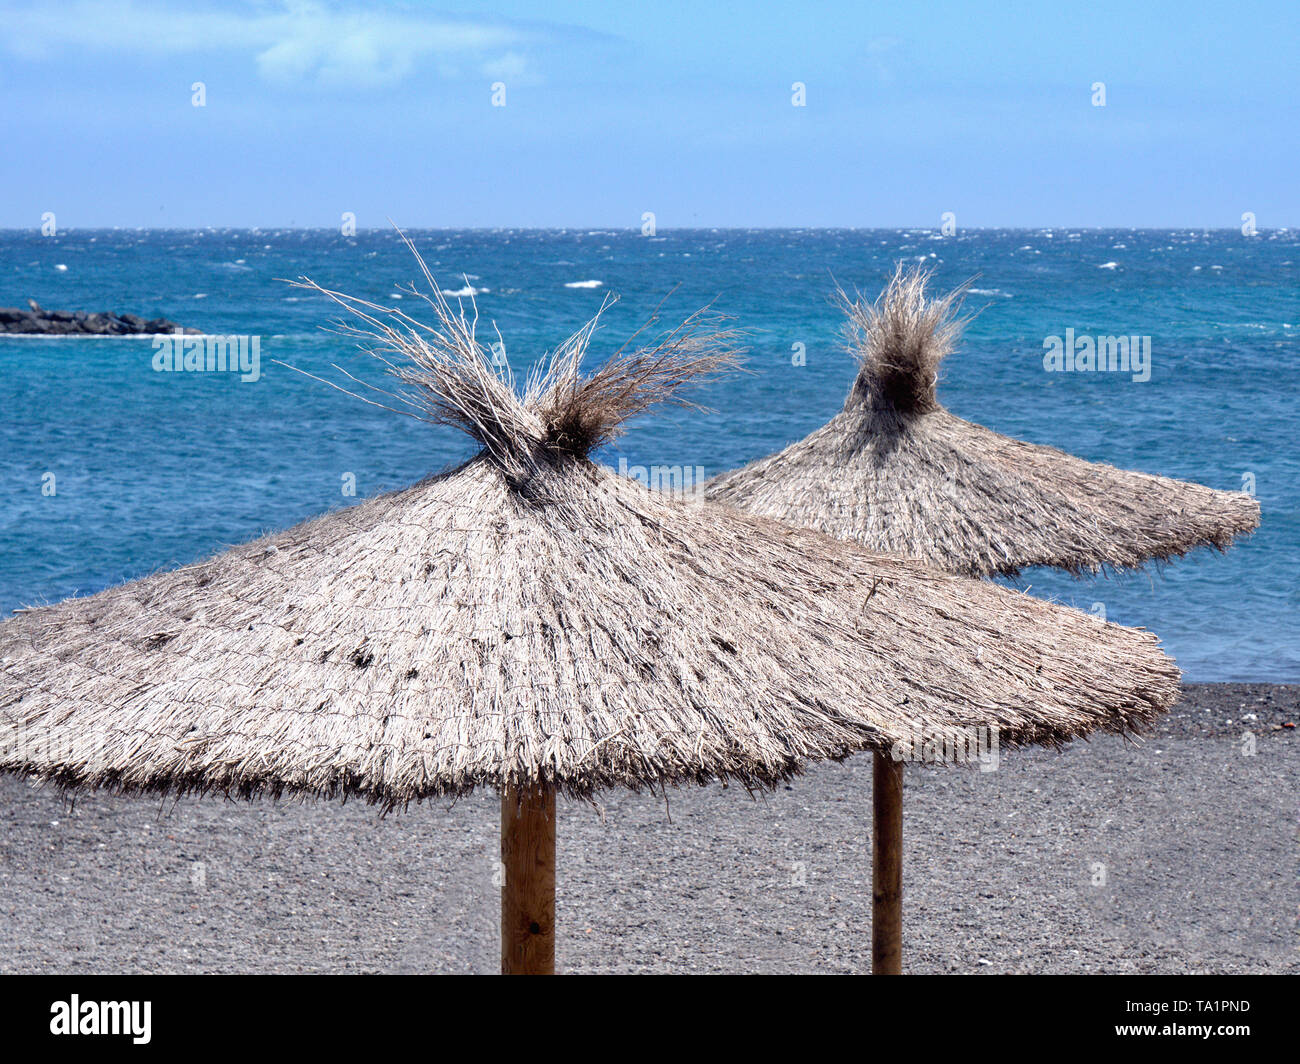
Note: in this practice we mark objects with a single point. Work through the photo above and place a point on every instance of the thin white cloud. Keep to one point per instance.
(291, 41)
(511, 66)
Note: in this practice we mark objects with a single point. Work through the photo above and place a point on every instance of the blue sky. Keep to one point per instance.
(681, 108)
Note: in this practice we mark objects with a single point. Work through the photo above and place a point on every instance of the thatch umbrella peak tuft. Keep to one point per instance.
(899, 340)
(445, 376)
(895, 471)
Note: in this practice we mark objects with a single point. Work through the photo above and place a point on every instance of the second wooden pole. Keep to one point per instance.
(887, 867)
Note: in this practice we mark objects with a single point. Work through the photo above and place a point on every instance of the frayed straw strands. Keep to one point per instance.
(894, 471)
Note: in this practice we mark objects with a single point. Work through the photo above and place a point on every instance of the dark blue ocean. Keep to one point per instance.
(152, 470)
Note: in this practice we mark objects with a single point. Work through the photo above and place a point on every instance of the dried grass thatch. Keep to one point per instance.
(530, 617)
(894, 471)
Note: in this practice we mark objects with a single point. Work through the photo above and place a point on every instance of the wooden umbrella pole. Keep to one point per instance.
(528, 883)
(887, 867)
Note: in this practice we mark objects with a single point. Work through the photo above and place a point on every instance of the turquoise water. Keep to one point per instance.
(156, 469)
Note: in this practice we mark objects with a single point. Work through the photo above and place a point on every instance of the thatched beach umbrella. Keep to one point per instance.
(894, 471)
(531, 622)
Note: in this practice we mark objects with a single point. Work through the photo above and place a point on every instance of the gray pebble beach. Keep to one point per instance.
(1177, 854)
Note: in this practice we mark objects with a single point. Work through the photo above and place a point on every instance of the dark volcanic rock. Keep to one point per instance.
(15, 321)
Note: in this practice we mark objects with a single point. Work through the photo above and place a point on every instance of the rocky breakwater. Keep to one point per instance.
(35, 321)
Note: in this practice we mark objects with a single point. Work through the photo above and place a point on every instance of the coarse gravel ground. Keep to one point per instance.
(1178, 854)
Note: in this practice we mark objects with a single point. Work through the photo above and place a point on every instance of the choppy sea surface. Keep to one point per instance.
(152, 469)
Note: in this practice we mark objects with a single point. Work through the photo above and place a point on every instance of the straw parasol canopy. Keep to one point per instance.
(894, 471)
(531, 618)
(530, 622)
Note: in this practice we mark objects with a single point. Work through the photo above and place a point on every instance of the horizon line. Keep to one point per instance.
(632, 229)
